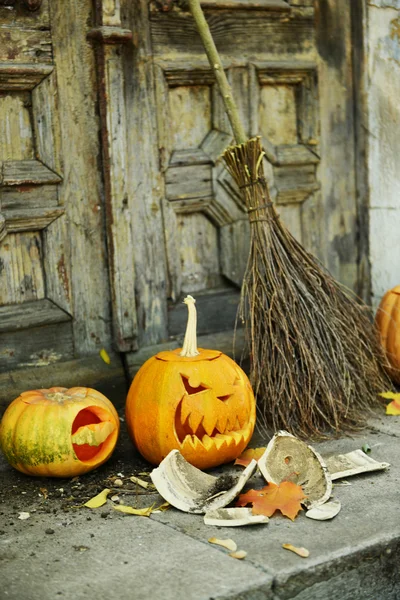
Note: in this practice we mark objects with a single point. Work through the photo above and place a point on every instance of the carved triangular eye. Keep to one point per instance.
(192, 390)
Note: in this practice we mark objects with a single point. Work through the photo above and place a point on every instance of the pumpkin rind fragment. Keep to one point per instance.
(387, 321)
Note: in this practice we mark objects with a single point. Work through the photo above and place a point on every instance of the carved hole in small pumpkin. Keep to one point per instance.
(85, 452)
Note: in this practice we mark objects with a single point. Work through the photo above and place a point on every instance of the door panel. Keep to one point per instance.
(35, 329)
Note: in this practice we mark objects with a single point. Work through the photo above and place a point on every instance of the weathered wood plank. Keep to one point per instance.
(291, 216)
(46, 124)
(339, 207)
(21, 271)
(25, 45)
(29, 196)
(15, 127)
(175, 33)
(81, 190)
(192, 181)
(114, 148)
(91, 372)
(38, 346)
(225, 341)
(18, 16)
(295, 183)
(235, 246)
(57, 264)
(144, 181)
(196, 156)
(295, 155)
(216, 311)
(199, 253)
(279, 5)
(31, 314)
(189, 118)
(28, 219)
(20, 76)
(27, 172)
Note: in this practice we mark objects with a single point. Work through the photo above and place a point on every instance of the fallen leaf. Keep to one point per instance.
(143, 484)
(228, 544)
(104, 356)
(303, 552)
(239, 554)
(23, 516)
(248, 455)
(129, 510)
(81, 548)
(98, 500)
(285, 497)
(162, 508)
(393, 408)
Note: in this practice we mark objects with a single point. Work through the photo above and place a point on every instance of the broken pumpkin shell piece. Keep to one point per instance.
(187, 488)
(324, 512)
(289, 459)
(233, 517)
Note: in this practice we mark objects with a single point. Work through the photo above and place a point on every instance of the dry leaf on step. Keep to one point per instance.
(98, 500)
(393, 408)
(129, 510)
(303, 552)
(228, 544)
(143, 484)
(239, 554)
(248, 455)
(285, 497)
(104, 356)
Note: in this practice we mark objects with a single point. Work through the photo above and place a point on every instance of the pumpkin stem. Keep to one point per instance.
(190, 341)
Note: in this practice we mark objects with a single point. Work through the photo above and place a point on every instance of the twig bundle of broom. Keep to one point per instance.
(316, 362)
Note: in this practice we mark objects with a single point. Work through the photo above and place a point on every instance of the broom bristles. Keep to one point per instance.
(316, 361)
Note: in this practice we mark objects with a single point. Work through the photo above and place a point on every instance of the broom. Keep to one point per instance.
(316, 362)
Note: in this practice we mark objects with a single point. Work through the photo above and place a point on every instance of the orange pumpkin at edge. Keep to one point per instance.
(197, 401)
(59, 432)
(387, 321)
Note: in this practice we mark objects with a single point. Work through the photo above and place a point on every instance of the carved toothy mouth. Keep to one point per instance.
(196, 433)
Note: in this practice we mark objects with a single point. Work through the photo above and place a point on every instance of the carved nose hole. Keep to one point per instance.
(224, 398)
(190, 389)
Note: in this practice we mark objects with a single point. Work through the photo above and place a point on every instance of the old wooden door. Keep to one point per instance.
(290, 64)
(113, 203)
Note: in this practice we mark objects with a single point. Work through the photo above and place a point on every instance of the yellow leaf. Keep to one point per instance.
(247, 456)
(303, 552)
(98, 500)
(228, 544)
(143, 484)
(104, 356)
(239, 554)
(393, 408)
(162, 507)
(390, 395)
(129, 510)
(93, 434)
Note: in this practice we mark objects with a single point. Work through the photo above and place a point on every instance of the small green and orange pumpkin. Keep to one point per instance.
(197, 401)
(59, 432)
(388, 323)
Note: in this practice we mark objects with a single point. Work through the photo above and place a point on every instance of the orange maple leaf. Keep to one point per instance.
(285, 497)
(247, 456)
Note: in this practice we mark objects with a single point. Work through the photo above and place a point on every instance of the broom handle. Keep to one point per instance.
(216, 64)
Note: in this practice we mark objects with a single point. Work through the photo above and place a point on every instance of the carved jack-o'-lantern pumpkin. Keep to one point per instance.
(59, 432)
(388, 323)
(197, 401)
